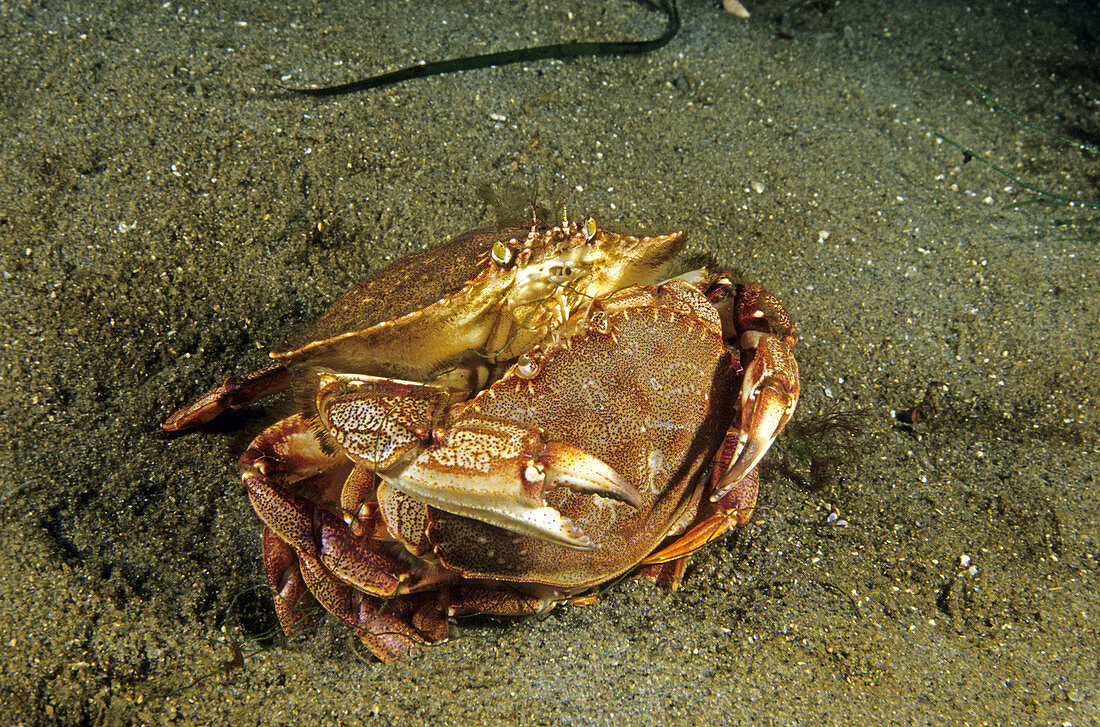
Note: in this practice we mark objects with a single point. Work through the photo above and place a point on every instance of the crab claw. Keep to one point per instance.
(564, 464)
(769, 394)
(497, 471)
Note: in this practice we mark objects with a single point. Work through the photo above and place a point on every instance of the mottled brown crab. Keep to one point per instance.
(455, 314)
(394, 507)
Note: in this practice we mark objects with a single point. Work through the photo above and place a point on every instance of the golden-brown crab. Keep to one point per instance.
(456, 313)
(588, 458)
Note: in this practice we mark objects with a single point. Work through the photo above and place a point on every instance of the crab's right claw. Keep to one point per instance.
(770, 388)
(768, 400)
(497, 472)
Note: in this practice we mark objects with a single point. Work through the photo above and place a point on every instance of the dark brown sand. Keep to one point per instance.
(167, 216)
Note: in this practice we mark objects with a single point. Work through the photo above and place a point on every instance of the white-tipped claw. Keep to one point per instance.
(772, 408)
(769, 395)
(564, 464)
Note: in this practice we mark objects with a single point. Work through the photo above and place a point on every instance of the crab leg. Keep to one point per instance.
(474, 599)
(237, 391)
(287, 451)
(311, 557)
(714, 519)
(293, 601)
(726, 516)
(387, 634)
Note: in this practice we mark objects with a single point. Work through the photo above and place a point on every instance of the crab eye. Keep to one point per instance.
(502, 254)
(527, 366)
(589, 229)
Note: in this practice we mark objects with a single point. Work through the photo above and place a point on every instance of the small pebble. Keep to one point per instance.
(735, 8)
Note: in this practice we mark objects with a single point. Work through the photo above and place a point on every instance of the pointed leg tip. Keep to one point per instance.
(189, 417)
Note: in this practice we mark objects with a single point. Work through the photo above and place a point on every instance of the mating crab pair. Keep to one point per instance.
(503, 422)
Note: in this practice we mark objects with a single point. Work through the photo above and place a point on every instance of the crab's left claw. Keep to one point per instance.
(770, 388)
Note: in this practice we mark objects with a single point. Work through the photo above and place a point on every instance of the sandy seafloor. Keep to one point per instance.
(167, 216)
